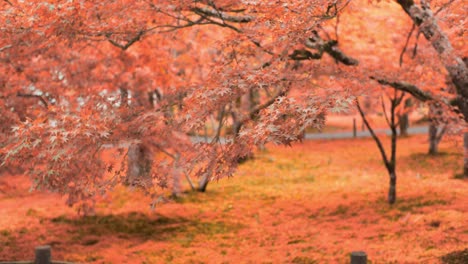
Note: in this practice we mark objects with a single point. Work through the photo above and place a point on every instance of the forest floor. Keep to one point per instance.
(314, 202)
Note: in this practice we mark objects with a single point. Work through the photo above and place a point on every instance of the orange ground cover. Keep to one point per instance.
(311, 203)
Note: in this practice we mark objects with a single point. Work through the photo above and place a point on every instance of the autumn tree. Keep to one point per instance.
(143, 77)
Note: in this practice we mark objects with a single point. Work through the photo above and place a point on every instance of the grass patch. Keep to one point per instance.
(304, 260)
(409, 205)
(434, 163)
(139, 225)
(405, 205)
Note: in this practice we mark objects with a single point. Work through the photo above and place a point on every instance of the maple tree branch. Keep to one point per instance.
(221, 15)
(220, 125)
(46, 105)
(423, 17)
(441, 133)
(330, 47)
(254, 112)
(128, 44)
(5, 47)
(443, 7)
(393, 127)
(374, 136)
(406, 44)
(211, 21)
(192, 186)
(407, 87)
(415, 49)
(385, 110)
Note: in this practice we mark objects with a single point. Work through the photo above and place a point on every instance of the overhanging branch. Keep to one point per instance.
(407, 87)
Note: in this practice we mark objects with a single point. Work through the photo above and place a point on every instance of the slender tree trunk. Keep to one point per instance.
(176, 188)
(404, 118)
(139, 162)
(404, 124)
(392, 187)
(176, 178)
(465, 158)
(433, 142)
(203, 182)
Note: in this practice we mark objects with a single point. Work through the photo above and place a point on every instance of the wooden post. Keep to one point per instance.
(358, 257)
(354, 128)
(43, 255)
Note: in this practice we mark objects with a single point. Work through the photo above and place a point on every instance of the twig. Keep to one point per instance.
(406, 44)
(19, 94)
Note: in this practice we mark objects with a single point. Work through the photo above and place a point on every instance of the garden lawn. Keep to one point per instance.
(314, 202)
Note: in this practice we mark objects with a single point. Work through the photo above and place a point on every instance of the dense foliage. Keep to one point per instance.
(187, 88)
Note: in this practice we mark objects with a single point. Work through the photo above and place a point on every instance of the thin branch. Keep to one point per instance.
(385, 111)
(128, 44)
(220, 125)
(192, 186)
(443, 7)
(337, 23)
(221, 15)
(441, 133)
(19, 94)
(406, 44)
(415, 49)
(374, 136)
(393, 127)
(254, 112)
(6, 47)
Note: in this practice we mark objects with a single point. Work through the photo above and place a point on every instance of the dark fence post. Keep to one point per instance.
(43, 255)
(358, 257)
(354, 128)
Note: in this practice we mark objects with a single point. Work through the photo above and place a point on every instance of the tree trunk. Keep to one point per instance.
(456, 67)
(392, 187)
(203, 182)
(404, 118)
(176, 188)
(425, 19)
(139, 164)
(404, 124)
(433, 140)
(465, 158)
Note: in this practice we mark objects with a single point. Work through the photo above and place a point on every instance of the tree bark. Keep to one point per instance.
(392, 187)
(423, 17)
(433, 143)
(203, 182)
(465, 157)
(139, 164)
(404, 124)
(404, 118)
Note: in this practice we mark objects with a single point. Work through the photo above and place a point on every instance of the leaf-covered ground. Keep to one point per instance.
(314, 202)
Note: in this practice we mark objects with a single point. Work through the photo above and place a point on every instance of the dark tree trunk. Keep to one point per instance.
(390, 163)
(404, 118)
(392, 187)
(404, 124)
(433, 142)
(465, 157)
(203, 182)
